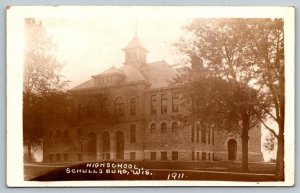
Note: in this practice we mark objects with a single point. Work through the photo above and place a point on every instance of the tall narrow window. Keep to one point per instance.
(91, 109)
(153, 104)
(193, 155)
(119, 106)
(132, 106)
(164, 155)
(164, 128)
(208, 136)
(153, 156)
(192, 133)
(132, 133)
(104, 106)
(203, 156)
(153, 128)
(174, 155)
(164, 104)
(203, 135)
(174, 127)
(197, 134)
(213, 136)
(175, 102)
(106, 145)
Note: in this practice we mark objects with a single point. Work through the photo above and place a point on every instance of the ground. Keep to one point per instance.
(222, 171)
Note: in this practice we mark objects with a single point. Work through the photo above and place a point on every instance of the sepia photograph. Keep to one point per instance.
(150, 96)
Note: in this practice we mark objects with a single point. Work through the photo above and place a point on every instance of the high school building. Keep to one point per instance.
(130, 113)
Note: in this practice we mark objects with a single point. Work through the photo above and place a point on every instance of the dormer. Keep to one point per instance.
(108, 77)
(135, 53)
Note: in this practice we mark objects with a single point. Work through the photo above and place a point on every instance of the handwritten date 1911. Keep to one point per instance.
(176, 176)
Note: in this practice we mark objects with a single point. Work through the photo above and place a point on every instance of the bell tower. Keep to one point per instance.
(135, 53)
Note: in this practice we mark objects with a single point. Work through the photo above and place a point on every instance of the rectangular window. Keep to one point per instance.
(192, 134)
(197, 137)
(193, 155)
(164, 155)
(208, 136)
(153, 156)
(66, 156)
(203, 135)
(132, 155)
(175, 102)
(203, 156)
(174, 155)
(209, 156)
(213, 136)
(198, 155)
(213, 156)
(153, 104)
(132, 133)
(164, 104)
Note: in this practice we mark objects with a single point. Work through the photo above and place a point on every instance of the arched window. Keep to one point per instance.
(104, 108)
(164, 128)
(132, 106)
(57, 133)
(153, 128)
(119, 106)
(91, 108)
(174, 127)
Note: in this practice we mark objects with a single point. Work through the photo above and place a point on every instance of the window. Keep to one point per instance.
(153, 104)
(132, 133)
(91, 109)
(203, 135)
(197, 134)
(192, 134)
(58, 133)
(153, 128)
(203, 156)
(175, 102)
(132, 106)
(213, 136)
(208, 136)
(153, 156)
(175, 127)
(57, 157)
(66, 156)
(51, 157)
(66, 134)
(106, 145)
(198, 155)
(193, 155)
(119, 106)
(79, 112)
(132, 155)
(208, 156)
(104, 108)
(164, 104)
(174, 155)
(213, 156)
(164, 128)
(164, 155)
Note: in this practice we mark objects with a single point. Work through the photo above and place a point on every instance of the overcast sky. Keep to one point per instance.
(91, 45)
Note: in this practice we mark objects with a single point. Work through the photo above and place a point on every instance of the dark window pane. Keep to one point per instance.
(174, 155)
(153, 104)
(164, 128)
(164, 155)
(164, 104)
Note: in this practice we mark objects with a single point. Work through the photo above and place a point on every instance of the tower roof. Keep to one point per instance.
(135, 43)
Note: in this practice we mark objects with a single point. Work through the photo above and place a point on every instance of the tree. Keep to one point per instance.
(44, 97)
(221, 83)
(268, 53)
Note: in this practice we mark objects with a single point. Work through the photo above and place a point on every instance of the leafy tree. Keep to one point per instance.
(221, 83)
(44, 99)
(268, 53)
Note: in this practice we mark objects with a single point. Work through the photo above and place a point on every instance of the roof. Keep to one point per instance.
(135, 43)
(159, 74)
(156, 75)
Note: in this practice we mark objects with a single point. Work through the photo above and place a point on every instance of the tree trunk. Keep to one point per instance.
(245, 139)
(29, 153)
(280, 153)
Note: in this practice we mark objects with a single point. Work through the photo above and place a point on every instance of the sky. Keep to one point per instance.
(89, 46)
